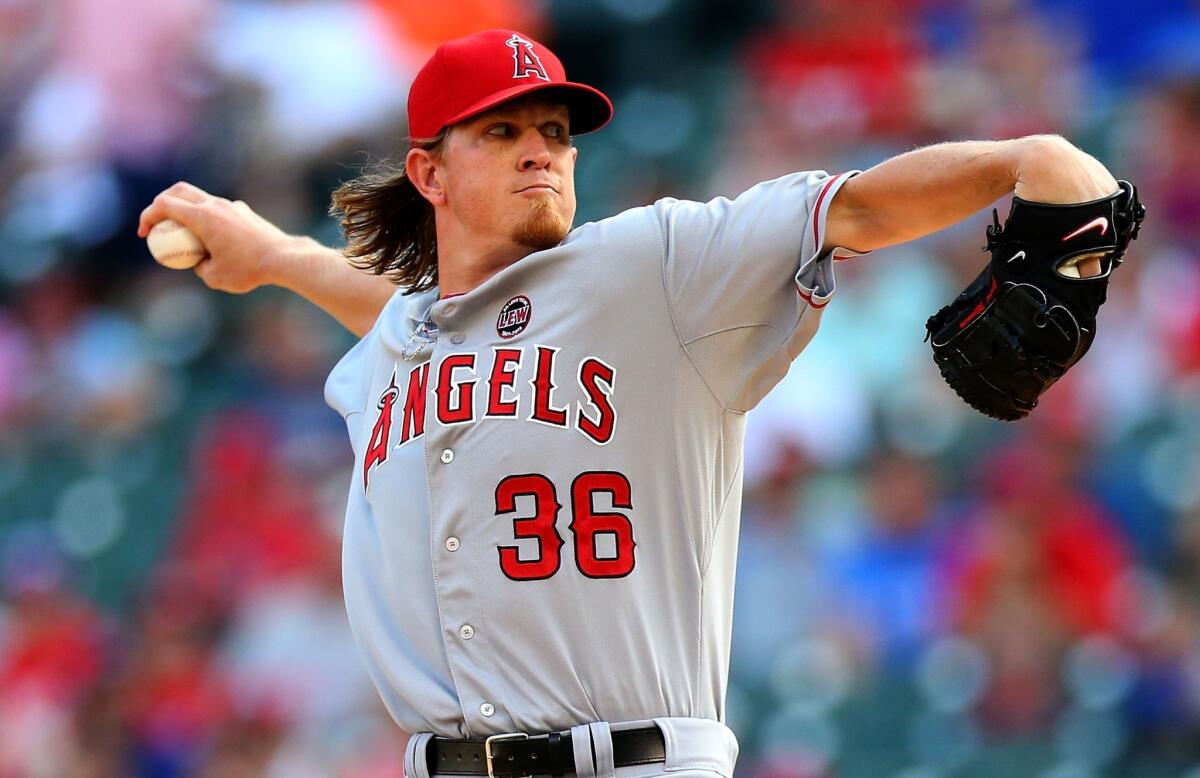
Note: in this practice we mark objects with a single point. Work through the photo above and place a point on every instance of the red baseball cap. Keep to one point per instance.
(469, 75)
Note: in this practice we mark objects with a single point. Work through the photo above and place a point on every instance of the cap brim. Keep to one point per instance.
(589, 107)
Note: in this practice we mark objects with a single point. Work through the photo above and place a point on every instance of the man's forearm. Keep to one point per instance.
(324, 277)
(929, 189)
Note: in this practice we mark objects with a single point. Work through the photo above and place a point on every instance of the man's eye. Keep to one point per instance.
(556, 131)
(502, 130)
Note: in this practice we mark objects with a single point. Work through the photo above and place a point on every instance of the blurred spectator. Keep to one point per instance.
(1165, 706)
(1036, 564)
(16, 357)
(290, 655)
(250, 520)
(886, 595)
(416, 28)
(52, 648)
(774, 566)
(831, 67)
(1022, 75)
(323, 69)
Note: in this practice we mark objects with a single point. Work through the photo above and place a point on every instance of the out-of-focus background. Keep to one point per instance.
(922, 593)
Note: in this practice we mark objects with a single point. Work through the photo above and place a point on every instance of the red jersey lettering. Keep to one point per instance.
(503, 376)
(377, 449)
(414, 404)
(463, 408)
(543, 390)
(596, 379)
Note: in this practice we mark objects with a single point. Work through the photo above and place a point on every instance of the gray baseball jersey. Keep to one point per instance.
(543, 520)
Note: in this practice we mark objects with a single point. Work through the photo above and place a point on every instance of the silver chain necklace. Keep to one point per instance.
(425, 334)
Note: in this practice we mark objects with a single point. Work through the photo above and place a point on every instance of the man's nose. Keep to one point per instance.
(535, 151)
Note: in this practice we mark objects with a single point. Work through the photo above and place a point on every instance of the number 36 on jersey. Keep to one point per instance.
(457, 379)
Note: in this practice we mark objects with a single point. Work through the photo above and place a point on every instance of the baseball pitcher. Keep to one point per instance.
(547, 421)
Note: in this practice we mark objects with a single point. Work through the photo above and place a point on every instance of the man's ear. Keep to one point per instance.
(424, 171)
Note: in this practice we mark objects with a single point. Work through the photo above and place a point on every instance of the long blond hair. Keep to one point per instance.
(389, 226)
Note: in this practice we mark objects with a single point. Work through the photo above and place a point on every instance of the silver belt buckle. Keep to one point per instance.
(487, 748)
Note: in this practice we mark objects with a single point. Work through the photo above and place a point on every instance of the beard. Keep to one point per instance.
(542, 228)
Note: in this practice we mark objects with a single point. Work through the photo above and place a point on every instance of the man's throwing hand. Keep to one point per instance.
(244, 249)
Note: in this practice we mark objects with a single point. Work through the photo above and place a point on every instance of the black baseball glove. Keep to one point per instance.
(1029, 317)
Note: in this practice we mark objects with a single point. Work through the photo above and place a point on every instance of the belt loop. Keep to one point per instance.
(602, 748)
(581, 743)
(558, 763)
(416, 756)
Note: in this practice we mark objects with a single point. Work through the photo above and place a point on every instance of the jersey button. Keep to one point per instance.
(457, 338)
(466, 632)
(487, 709)
(447, 456)
(452, 543)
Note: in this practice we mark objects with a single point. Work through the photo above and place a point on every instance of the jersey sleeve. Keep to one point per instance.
(347, 386)
(349, 383)
(741, 275)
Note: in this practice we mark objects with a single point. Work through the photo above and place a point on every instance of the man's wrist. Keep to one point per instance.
(1050, 169)
(1037, 152)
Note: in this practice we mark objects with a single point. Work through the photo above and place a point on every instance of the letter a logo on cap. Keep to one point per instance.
(525, 62)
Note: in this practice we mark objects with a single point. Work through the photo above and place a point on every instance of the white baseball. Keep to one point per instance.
(174, 245)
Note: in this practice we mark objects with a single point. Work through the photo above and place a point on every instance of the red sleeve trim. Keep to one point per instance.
(817, 210)
(817, 235)
(808, 298)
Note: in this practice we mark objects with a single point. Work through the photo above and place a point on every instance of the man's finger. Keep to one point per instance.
(202, 269)
(185, 191)
(181, 190)
(168, 206)
(1088, 267)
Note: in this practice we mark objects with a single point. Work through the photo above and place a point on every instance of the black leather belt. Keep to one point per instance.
(517, 755)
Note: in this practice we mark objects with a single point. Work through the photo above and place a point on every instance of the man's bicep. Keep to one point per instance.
(851, 223)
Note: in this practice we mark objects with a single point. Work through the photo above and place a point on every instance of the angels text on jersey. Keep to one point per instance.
(466, 387)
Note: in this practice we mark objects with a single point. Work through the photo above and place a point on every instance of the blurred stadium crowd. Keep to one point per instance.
(922, 592)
